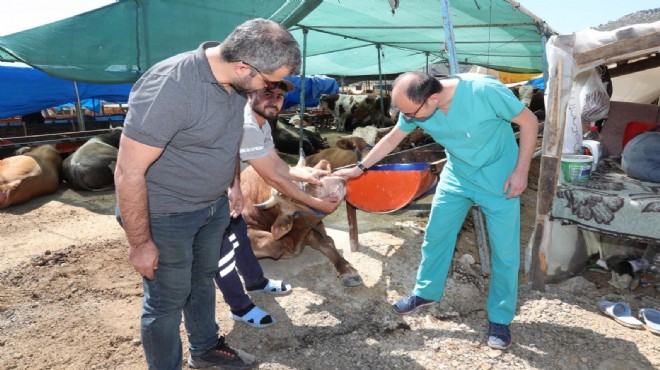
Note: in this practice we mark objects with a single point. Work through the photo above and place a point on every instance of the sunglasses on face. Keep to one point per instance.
(268, 83)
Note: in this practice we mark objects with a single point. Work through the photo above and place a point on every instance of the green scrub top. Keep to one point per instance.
(476, 133)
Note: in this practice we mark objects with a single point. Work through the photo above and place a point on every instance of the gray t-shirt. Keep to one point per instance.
(257, 141)
(178, 105)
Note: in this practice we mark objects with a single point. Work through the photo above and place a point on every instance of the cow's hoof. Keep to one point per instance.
(351, 280)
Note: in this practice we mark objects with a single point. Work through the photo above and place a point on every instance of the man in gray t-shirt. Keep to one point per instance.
(177, 159)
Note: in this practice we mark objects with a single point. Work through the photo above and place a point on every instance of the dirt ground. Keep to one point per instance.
(70, 300)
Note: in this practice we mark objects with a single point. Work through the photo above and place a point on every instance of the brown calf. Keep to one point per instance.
(280, 228)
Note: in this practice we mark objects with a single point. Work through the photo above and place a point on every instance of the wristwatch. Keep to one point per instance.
(359, 165)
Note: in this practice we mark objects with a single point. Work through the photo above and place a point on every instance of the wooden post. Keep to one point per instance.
(352, 227)
(553, 138)
(482, 242)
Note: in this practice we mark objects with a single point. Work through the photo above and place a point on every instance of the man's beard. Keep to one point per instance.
(243, 84)
(262, 111)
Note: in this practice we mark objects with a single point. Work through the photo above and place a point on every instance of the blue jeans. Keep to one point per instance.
(189, 245)
(641, 157)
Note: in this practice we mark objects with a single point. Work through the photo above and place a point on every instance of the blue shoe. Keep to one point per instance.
(410, 303)
(499, 336)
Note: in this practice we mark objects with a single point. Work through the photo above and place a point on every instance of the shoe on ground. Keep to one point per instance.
(410, 303)
(272, 286)
(256, 318)
(499, 336)
(222, 357)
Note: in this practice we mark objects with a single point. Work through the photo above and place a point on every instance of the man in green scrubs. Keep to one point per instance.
(470, 116)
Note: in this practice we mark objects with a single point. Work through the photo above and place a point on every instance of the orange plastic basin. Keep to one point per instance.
(389, 187)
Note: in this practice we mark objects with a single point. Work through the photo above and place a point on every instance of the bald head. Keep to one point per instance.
(415, 86)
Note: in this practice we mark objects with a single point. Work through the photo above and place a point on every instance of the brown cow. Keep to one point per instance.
(279, 228)
(29, 175)
(349, 150)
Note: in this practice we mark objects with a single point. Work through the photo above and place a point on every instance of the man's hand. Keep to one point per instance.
(235, 197)
(515, 184)
(144, 259)
(310, 175)
(349, 172)
(326, 205)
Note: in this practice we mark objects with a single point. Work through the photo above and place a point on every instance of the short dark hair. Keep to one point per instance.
(264, 44)
(421, 87)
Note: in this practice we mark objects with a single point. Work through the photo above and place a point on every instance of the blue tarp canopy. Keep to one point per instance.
(26, 90)
(315, 86)
(538, 82)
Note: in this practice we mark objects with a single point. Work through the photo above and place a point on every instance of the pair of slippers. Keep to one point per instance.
(256, 317)
(622, 314)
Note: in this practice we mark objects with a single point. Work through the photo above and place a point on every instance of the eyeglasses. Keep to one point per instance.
(412, 115)
(268, 83)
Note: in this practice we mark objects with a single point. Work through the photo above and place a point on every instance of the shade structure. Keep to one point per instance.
(119, 42)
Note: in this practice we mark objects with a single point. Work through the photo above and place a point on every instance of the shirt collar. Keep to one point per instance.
(203, 63)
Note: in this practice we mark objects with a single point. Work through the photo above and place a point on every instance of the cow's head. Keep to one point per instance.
(331, 186)
(328, 101)
(353, 143)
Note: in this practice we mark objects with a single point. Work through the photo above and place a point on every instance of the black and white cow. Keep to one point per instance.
(286, 138)
(92, 166)
(351, 111)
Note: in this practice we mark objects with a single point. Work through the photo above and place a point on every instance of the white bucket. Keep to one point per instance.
(576, 168)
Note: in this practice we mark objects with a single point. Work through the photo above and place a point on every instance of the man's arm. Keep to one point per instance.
(275, 173)
(383, 148)
(234, 193)
(133, 161)
(529, 126)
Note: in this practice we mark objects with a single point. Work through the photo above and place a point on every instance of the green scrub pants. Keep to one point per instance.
(452, 201)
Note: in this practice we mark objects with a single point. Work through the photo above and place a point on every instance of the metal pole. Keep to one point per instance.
(544, 40)
(427, 61)
(449, 36)
(79, 113)
(302, 92)
(453, 69)
(380, 85)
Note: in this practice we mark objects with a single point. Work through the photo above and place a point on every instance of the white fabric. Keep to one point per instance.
(564, 47)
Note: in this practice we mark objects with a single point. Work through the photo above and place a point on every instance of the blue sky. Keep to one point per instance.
(565, 16)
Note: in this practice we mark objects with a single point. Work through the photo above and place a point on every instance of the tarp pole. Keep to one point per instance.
(427, 61)
(380, 85)
(449, 36)
(477, 214)
(79, 112)
(544, 40)
(302, 92)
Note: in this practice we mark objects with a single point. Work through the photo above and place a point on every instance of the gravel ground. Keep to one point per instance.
(69, 300)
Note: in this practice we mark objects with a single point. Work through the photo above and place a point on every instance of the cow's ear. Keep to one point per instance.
(281, 226)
